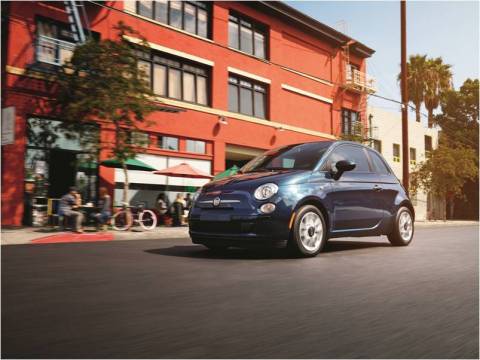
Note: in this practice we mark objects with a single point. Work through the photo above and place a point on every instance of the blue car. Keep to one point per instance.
(299, 196)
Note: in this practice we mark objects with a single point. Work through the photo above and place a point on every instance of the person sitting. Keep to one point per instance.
(104, 204)
(68, 207)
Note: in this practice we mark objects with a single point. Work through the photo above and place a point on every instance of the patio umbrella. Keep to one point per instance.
(183, 170)
(229, 172)
(132, 164)
(88, 166)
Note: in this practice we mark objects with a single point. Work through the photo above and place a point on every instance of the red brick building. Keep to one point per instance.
(247, 76)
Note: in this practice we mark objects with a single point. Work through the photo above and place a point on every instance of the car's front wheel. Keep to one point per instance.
(403, 228)
(309, 232)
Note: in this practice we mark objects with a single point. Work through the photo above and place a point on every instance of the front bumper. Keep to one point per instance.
(241, 231)
(237, 221)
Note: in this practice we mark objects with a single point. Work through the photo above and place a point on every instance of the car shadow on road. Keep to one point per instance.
(341, 245)
(198, 251)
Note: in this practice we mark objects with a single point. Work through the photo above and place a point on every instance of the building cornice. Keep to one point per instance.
(171, 51)
(307, 93)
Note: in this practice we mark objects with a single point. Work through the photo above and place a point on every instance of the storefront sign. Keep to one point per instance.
(8, 125)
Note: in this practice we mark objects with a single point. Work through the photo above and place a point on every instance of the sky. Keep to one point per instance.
(449, 29)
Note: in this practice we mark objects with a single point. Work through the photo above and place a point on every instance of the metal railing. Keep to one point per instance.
(359, 80)
(53, 51)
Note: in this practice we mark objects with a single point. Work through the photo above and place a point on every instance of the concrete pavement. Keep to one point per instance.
(361, 298)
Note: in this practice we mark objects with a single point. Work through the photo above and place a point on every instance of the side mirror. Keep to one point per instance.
(340, 167)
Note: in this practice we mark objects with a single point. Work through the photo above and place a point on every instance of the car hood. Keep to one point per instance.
(254, 179)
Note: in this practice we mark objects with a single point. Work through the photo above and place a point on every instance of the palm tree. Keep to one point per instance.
(438, 79)
(416, 71)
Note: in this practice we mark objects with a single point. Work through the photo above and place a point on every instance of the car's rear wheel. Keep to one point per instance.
(403, 228)
(309, 233)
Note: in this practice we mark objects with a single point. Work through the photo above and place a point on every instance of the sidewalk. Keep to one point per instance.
(32, 235)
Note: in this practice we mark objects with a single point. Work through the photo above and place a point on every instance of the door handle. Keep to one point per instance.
(377, 188)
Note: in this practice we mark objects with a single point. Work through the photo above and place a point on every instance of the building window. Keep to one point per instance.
(377, 145)
(168, 143)
(138, 138)
(349, 122)
(247, 97)
(428, 145)
(55, 42)
(191, 16)
(196, 146)
(413, 156)
(396, 152)
(247, 36)
(175, 78)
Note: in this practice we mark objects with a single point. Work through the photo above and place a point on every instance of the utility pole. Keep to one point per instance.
(405, 147)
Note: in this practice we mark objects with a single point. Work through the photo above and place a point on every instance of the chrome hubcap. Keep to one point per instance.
(405, 225)
(311, 231)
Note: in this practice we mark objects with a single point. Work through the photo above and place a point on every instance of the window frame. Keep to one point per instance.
(149, 56)
(351, 146)
(372, 154)
(197, 4)
(132, 134)
(395, 157)
(412, 159)
(253, 83)
(256, 27)
(162, 137)
(428, 151)
(351, 124)
(379, 142)
(195, 141)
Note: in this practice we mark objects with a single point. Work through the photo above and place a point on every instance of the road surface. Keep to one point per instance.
(362, 298)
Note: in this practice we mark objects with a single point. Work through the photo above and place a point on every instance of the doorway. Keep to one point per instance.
(62, 171)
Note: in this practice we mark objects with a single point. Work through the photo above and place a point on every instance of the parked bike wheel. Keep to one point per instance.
(122, 221)
(147, 220)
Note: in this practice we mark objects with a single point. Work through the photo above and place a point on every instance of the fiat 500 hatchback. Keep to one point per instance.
(301, 195)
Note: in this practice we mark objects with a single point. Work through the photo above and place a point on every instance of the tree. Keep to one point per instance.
(416, 71)
(446, 171)
(103, 82)
(460, 115)
(427, 80)
(438, 79)
(455, 162)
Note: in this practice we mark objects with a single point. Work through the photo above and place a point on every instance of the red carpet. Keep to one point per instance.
(73, 237)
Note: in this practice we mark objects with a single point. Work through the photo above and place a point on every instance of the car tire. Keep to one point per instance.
(309, 233)
(403, 228)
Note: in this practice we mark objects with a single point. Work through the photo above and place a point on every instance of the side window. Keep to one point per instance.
(378, 164)
(349, 153)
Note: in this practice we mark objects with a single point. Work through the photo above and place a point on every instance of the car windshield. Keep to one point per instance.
(291, 157)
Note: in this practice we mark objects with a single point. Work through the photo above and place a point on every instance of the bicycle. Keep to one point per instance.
(134, 215)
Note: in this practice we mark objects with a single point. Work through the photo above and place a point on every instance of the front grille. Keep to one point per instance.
(223, 227)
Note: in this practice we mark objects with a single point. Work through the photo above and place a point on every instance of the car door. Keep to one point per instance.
(388, 184)
(355, 201)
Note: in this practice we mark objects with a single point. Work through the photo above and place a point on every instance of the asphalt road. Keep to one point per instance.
(171, 299)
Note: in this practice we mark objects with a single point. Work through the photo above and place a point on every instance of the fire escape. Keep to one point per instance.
(358, 82)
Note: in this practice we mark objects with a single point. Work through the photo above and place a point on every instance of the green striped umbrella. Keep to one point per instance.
(229, 172)
(132, 164)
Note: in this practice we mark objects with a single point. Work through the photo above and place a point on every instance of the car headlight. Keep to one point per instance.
(265, 191)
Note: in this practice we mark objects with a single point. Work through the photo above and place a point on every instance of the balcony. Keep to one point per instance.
(53, 51)
(358, 81)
